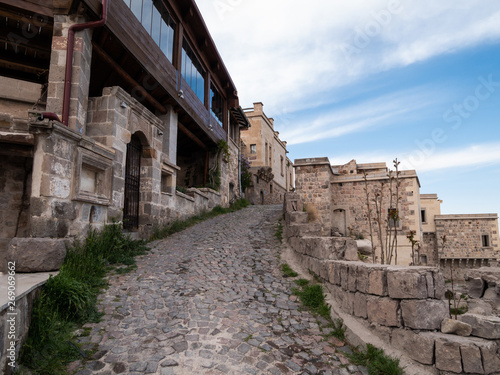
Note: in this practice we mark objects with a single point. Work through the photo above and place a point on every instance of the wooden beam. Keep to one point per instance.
(44, 7)
(193, 137)
(123, 74)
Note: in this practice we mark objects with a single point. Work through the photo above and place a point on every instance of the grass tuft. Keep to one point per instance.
(287, 271)
(69, 299)
(279, 232)
(312, 296)
(377, 362)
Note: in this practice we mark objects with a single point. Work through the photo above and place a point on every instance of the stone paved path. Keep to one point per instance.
(211, 300)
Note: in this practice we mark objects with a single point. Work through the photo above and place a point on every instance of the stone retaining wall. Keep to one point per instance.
(404, 305)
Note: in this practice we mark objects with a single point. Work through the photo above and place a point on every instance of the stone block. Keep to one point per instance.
(332, 267)
(491, 361)
(418, 346)
(471, 359)
(475, 287)
(304, 230)
(352, 278)
(406, 283)
(363, 278)
(37, 254)
(384, 311)
(364, 247)
(456, 327)
(423, 314)
(487, 327)
(491, 275)
(449, 349)
(63, 210)
(439, 285)
(351, 250)
(348, 303)
(377, 282)
(448, 357)
(360, 305)
(296, 218)
(344, 276)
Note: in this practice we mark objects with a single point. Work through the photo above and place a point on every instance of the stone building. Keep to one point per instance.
(472, 240)
(271, 169)
(111, 109)
(337, 197)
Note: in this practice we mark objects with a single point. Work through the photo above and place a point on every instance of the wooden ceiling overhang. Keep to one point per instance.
(133, 61)
(25, 39)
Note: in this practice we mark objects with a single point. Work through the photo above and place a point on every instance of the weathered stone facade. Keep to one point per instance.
(338, 194)
(271, 170)
(137, 144)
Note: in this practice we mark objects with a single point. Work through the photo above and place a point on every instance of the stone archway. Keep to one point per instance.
(132, 184)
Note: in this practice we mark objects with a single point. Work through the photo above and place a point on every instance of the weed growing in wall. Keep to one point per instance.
(376, 361)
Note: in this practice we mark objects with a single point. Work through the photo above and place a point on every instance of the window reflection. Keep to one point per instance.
(216, 105)
(157, 21)
(192, 71)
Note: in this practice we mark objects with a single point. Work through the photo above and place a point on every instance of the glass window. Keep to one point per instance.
(253, 149)
(156, 26)
(147, 14)
(192, 72)
(216, 105)
(157, 21)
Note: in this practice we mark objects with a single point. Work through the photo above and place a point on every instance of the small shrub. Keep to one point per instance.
(287, 271)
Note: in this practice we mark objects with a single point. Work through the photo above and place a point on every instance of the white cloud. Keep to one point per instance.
(382, 111)
(477, 155)
(283, 53)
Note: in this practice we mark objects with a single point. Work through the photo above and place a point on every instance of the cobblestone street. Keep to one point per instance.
(212, 300)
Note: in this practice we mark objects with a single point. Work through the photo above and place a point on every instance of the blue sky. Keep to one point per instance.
(376, 80)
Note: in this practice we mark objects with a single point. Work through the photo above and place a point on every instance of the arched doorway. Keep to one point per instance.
(132, 184)
(261, 197)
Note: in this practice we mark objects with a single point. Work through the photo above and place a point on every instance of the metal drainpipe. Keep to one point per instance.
(69, 57)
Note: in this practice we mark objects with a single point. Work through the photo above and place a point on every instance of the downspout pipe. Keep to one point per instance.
(69, 57)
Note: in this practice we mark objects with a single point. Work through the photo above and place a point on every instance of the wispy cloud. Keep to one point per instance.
(476, 155)
(380, 112)
(285, 54)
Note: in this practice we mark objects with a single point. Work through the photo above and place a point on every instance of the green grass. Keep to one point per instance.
(302, 282)
(279, 232)
(377, 362)
(339, 329)
(163, 231)
(69, 299)
(287, 271)
(312, 297)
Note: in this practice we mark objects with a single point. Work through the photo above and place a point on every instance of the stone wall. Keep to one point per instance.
(312, 183)
(260, 191)
(464, 235)
(403, 305)
(461, 267)
(428, 249)
(28, 287)
(15, 188)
